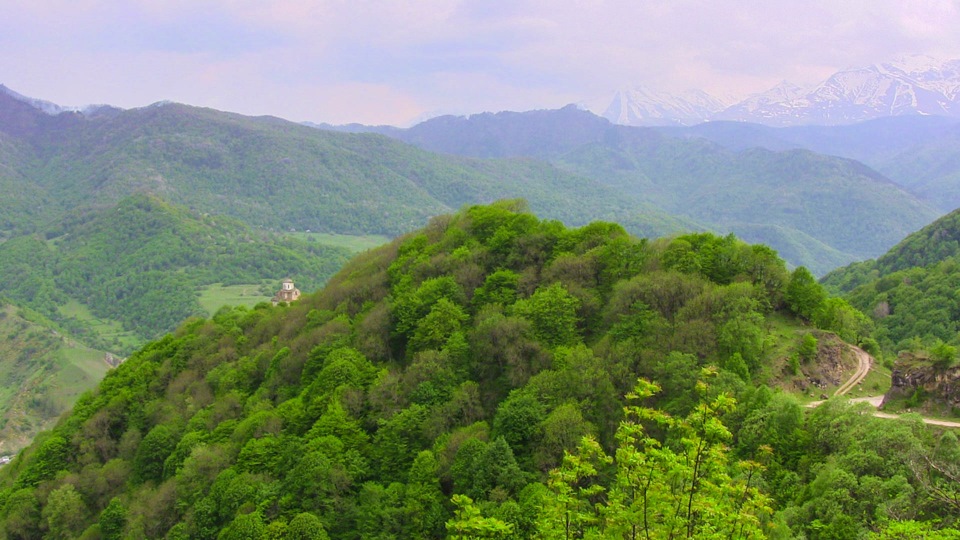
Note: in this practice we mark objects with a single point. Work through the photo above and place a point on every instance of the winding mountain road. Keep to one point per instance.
(864, 363)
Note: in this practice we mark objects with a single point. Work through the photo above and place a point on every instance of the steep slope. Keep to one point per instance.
(929, 168)
(463, 359)
(826, 210)
(919, 153)
(272, 173)
(140, 263)
(641, 106)
(840, 203)
(911, 291)
(23, 204)
(41, 374)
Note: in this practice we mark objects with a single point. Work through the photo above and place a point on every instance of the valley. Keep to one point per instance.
(507, 322)
(816, 210)
(42, 373)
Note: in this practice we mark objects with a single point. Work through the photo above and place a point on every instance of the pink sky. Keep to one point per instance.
(391, 62)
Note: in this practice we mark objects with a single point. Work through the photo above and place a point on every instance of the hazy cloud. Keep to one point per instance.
(388, 62)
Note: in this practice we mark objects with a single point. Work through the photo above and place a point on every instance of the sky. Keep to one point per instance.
(393, 62)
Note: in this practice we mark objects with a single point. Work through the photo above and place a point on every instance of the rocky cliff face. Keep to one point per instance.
(831, 367)
(911, 373)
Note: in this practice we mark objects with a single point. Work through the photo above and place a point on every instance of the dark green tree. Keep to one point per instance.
(804, 295)
(113, 520)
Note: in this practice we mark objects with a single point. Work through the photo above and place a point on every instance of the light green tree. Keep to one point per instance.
(468, 523)
(553, 312)
(65, 513)
(808, 347)
(112, 520)
(306, 526)
(244, 527)
(684, 489)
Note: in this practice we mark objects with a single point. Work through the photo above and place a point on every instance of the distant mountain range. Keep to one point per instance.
(267, 172)
(919, 153)
(911, 86)
(571, 165)
(816, 210)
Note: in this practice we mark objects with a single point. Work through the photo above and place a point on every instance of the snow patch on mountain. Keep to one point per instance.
(910, 85)
(643, 106)
(50, 108)
(46, 107)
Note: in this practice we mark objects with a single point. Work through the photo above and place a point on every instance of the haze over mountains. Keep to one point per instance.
(438, 383)
(919, 153)
(265, 171)
(816, 210)
(913, 85)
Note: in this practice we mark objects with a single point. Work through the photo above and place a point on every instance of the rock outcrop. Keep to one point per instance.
(913, 372)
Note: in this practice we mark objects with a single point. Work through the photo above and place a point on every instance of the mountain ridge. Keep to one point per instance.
(909, 86)
(279, 175)
(570, 164)
(642, 106)
(467, 359)
(738, 191)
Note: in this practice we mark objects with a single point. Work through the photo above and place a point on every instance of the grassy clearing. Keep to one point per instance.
(42, 372)
(80, 370)
(89, 361)
(783, 345)
(876, 383)
(356, 244)
(217, 295)
(108, 329)
(783, 338)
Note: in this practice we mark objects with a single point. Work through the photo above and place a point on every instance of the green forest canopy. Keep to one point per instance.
(142, 262)
(487, 377)
(910, 292)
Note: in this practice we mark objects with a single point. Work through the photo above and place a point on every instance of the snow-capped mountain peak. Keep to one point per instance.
(643, 106)
(46, 107)
(50, 108)
(910, 85)
(914, 65)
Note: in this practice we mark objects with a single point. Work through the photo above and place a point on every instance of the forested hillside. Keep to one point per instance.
(911, 291)
(142, 262)
(487, 377)
(817, 210)
(41, 374)
(920, 153)
(270, 173)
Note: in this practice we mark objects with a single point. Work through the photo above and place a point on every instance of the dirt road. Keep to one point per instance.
(864, 361)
